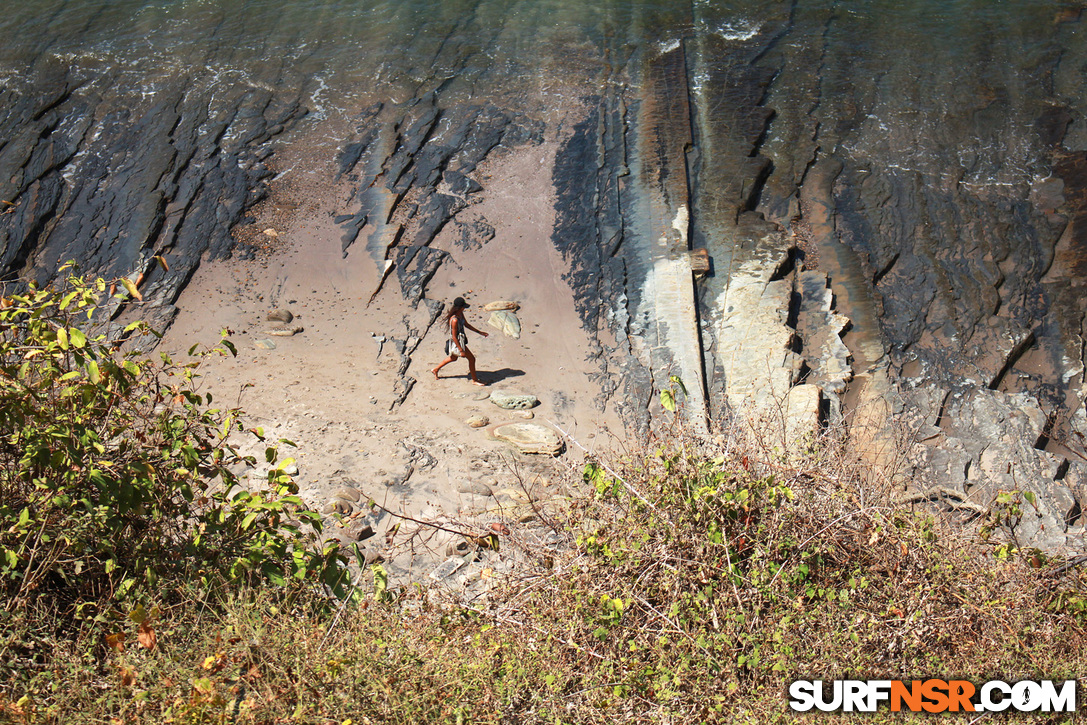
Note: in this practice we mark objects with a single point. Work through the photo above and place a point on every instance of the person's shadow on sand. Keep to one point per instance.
(490, 377)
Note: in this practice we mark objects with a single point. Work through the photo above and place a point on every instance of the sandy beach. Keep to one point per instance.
(330, 388)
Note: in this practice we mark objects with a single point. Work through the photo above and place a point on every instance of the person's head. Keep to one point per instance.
(457, 305)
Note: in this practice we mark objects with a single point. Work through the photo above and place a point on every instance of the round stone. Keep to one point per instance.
(479, 489)
(348, 493)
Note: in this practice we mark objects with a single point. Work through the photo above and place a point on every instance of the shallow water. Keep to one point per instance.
(491, 46)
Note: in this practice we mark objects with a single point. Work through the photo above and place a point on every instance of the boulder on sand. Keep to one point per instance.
(529, 437)
(513, 401)
(507, 323)
(501, 305)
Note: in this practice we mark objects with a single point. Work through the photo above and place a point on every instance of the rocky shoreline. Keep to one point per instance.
(804, 237)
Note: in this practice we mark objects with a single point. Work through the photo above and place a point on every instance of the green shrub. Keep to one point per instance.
(115, 473)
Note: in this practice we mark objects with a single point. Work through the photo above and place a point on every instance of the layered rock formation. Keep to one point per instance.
(886, 214)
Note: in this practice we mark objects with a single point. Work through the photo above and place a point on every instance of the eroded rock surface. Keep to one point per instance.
(529, 437)
(789, 208)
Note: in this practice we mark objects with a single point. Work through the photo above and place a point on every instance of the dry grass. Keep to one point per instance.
(696, 581)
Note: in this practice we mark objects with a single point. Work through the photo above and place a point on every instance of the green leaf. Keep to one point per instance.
(93, 372)
(138, 615)
(126, 585)
(676, 380)
(381, 582)
(668, 400)
(78, 339)
(62, 338)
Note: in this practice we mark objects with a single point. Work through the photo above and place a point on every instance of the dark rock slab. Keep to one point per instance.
(94, 179)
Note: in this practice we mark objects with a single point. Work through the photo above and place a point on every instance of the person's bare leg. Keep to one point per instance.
(442, 364)
(472, 366)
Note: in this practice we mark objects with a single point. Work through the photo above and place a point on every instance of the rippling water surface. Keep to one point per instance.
(338, 50)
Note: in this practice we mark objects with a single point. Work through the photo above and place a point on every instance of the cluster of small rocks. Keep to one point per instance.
(526, 437)
(282, 327)
(351, 518)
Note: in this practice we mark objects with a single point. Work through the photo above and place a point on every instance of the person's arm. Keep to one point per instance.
(475, 329)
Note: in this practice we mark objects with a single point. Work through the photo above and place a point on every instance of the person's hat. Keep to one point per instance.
(459, 302)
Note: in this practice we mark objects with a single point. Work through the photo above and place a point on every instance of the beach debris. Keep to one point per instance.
(513, 401)
(460, 548)
(506, 322)
(526, 414)
(500, 305)
(264, 344)
(447, 568)
(285, 331)
(478, 421)
(529, 438)
(281, 315)
(269, 232)
(415, 455)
